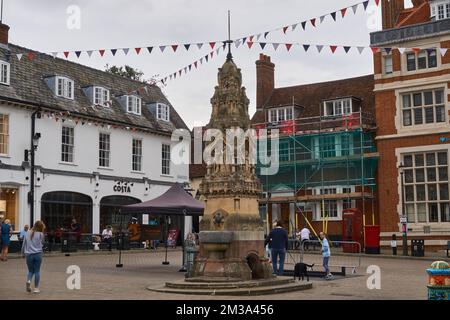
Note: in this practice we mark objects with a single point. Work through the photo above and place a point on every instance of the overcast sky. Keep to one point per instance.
(42, 25)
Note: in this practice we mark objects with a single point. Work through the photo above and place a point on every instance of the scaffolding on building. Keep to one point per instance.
(316, 155)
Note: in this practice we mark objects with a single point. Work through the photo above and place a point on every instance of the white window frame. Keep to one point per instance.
(4, 118)
(341, 107)
(134, 105)
(103, 99)
(165, 159)
(67, 87)
(416, 61)
(414, 168)
(388, 68)
(162, 112)
(317, 207)
(5, 70)
(136, 155)
(440, 10)
(68, 156)
(319, 150)
(104, 150)
(423, 107)
(280, 114)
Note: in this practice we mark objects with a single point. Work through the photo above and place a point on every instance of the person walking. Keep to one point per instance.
(326, 253)
(278, 238)
(305, 235)
(23, 233)
(6, 232)
(32, 251)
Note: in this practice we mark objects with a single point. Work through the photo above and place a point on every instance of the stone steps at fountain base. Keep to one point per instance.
(244, 288)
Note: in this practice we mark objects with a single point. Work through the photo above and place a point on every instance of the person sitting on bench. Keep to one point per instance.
(107, 236)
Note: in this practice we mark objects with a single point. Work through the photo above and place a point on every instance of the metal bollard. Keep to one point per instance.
(394, 244)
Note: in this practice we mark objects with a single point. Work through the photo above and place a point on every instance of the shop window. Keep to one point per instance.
(110, 212)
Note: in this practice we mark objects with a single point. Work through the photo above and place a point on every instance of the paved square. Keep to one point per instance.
(100, 279)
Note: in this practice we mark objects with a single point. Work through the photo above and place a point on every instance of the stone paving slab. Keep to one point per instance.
(100, 279)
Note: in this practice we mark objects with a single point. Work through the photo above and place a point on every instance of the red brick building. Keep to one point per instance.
(412, 94)
(327, 155)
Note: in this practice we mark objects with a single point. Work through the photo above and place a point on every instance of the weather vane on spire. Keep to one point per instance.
(229, 42)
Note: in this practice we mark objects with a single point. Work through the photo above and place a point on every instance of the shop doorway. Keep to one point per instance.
(59, 208)
(9, 205)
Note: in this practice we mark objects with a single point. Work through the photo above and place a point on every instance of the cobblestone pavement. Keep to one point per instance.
(100, 279)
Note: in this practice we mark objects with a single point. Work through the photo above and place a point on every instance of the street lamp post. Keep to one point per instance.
(403, 217)
(35, 136)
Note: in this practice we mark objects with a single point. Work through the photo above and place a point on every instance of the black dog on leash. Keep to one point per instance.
(301, 270)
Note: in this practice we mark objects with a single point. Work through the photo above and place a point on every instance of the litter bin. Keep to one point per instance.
(69, 242)
(191, 252)
(418, 247)
(123, 241)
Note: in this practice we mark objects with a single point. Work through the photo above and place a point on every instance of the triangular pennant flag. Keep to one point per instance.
(102, 52)
(174, 47)
(201, 60)
(54, 54)
(19, 56)
(431, 50)
(243, 40)
(162, 48)
(249, 44)
(388, 50)
(66, 54)
(195, 64)
(138, 50)
(212, 44)
(185, 69)
(30, 55)
(211, 54)
(285, 29)
(266, 34)
(304, 25)
(217, 51)
(365, 4)
(294, 26)
(333, 15)
(259, 36)
(206, 58)
(170, 77)
(319, 48)
(355, 8)
(313, 22)
(180, 72)
(306, 47)
(237, 43)
(288, 46)
(377, 2)
(347, 49)
(199, 45)
(187, 46)
(113, 51)
(150, 49)
(416, 50)
(343, 11)
(125, 50)
(375, 49)
(322, 18)
(262, 45)
(275, 46)
(251, 38)
(360, 49)
(443, 51)
(333, 49)
(89, 53)
(401, 50)
(78, 53)
(175, 75)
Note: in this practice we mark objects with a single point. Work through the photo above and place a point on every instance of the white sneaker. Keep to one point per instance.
(28, 286)
(36, 290)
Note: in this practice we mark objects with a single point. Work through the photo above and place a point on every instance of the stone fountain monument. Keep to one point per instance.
(231, 257)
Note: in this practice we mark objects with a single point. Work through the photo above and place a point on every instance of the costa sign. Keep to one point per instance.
(123, 187)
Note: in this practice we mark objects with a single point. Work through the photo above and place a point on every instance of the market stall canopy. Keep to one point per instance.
(175, 201)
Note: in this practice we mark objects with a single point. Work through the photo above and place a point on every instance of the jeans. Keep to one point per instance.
(325, 265)
(281, 253)
(34, 267)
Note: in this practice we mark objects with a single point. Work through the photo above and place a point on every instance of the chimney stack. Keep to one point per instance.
(391, 10)
(4, 30)
(265, 80)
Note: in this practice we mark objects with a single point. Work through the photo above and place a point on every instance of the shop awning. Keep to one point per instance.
(175, 201)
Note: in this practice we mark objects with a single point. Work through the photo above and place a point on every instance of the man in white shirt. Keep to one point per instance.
(107, 236)
(305, 237)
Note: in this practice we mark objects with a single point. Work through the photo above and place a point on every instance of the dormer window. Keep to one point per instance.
(64, 87)
(4, 69)
(101, 96)
(440, 10)
(162, 112)
(338, 107)
(134, 105)
(281, 114)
